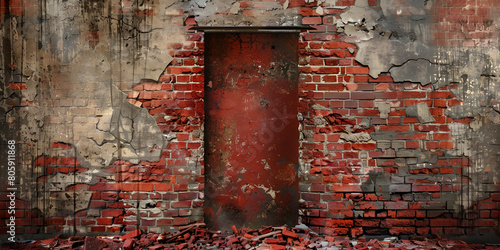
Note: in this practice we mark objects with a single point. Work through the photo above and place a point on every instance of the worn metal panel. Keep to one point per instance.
(251, 129)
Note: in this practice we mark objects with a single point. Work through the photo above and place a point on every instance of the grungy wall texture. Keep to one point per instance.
(399, 114)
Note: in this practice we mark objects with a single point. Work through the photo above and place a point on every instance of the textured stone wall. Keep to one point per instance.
(398, 111)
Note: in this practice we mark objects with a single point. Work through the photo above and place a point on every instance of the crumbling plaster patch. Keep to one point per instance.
(64, 203)
(230, 13)
(421, 111)
(75, 67)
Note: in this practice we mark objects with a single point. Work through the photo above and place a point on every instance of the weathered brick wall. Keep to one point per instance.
(379, 155)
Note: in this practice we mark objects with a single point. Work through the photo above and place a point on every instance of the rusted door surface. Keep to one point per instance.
(251, 129)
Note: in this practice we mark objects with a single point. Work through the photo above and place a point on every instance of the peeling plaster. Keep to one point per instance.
(397, 39)
(271, 14)
(359, 22)
(60, 181)
(421, 111)
(65, 203)
(75, 65)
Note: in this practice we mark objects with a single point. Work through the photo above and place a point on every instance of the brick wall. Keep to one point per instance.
(465, 23)
(368, 166)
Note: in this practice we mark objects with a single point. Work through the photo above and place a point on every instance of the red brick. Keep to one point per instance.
(319, 137)
(411, 94)
(362, 96)
(98, 229)
(54, 221)
(444, 170)
(487, 205)
(163, 187)
(444, 222)
(111, 213)
(364, 146)
(432, 145)
(446, 145)
(182, 137)
(405, 213)
(357, 70)
(388, 223)
(339, 223)
(331, 87)
(137, 186)
(188, 196)
(328, 70)
(441, 136)
(112, 196)
(311, 20)
(104, 221)
(181, 221)
(319, 36)
(345, 188)
(440, 103)
(401, 230)
(330, 78)
(337, 95)
(426, 188)
(132, 234)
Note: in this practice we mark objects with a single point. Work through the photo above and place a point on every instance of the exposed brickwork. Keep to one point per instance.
(387, 184)
(466, 23)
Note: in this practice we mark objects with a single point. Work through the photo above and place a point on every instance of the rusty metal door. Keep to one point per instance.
(251, 129)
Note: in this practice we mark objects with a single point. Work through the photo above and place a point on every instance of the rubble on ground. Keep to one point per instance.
(197, 236)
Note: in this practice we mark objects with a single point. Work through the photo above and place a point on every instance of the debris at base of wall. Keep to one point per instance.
(197, 236)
